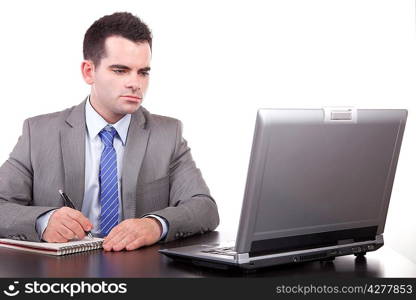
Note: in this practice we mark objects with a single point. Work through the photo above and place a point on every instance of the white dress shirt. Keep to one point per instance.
(91, 207)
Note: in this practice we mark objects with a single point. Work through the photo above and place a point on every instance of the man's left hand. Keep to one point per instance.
(132, 234)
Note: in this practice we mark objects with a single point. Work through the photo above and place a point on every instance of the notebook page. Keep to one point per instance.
(53, 246)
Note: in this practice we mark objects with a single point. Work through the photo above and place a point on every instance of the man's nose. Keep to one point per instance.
(134, 82)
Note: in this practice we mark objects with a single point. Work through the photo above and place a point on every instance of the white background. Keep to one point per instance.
(216, 62)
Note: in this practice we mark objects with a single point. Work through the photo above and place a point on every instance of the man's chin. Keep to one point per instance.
(130, 108)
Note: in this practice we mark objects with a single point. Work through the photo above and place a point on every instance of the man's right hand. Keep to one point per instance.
(66, 224)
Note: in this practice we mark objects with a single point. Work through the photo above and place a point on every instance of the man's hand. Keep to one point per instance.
(66, 224)
(132, 234)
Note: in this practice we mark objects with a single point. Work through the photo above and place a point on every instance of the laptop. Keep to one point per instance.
(318, 186)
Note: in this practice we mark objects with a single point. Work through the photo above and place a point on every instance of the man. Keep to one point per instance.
(129, 173)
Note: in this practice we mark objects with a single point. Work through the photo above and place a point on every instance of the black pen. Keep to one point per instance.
(68, 203)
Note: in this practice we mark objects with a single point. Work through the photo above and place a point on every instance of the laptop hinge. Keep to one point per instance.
(379, 238)
(242, 258)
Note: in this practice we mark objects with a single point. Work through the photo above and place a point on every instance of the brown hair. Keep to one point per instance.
(122, 24)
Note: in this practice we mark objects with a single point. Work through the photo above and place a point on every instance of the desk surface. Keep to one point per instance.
(147, 262)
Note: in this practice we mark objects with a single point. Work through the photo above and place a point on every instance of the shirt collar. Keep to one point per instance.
(95, 123)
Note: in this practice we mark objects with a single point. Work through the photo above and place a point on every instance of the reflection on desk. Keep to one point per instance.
(147, 262)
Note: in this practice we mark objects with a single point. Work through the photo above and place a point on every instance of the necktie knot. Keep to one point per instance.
(107, 135)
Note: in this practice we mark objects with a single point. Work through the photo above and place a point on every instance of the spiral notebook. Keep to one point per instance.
(85, 244)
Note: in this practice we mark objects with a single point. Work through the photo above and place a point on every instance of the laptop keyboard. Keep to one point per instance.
(230, 251)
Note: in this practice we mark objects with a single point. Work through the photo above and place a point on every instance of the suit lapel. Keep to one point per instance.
(137, 139)
(72, 138)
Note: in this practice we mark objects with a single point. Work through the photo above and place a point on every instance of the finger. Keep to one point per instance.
(65, 232)
(123, 242)
(81, 219)
(114, 232)
(119, 231)
(74, 226)
(135, 244)
(57, 238)
(53, 236)
(114, 241)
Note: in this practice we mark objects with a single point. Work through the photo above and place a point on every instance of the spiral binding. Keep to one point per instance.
(80, 248)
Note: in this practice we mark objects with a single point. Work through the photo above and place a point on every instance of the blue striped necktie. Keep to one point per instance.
(108, 182)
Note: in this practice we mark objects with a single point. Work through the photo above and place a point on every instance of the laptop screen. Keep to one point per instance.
(314, 182)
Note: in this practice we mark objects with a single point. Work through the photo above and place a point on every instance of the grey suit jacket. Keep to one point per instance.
(159, 175)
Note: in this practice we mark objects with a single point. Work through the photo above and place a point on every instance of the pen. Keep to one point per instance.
(68, 203)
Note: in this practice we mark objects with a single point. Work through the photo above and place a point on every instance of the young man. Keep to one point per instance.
(129, 173)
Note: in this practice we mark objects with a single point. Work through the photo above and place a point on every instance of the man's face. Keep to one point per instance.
(120, 82)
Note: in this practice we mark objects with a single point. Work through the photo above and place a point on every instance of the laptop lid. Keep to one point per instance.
(318, 177)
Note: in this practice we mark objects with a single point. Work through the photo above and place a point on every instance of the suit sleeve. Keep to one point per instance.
(191, 208)
(18, 216)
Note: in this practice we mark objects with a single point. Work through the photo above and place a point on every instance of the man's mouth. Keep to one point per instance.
(132, 98)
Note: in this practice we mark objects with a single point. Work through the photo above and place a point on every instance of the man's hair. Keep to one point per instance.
(122, 24)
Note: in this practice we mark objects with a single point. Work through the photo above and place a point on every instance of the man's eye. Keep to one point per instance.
(145, 73)
(119, 71)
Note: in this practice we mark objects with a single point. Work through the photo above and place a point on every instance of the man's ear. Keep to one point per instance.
(88, 70)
